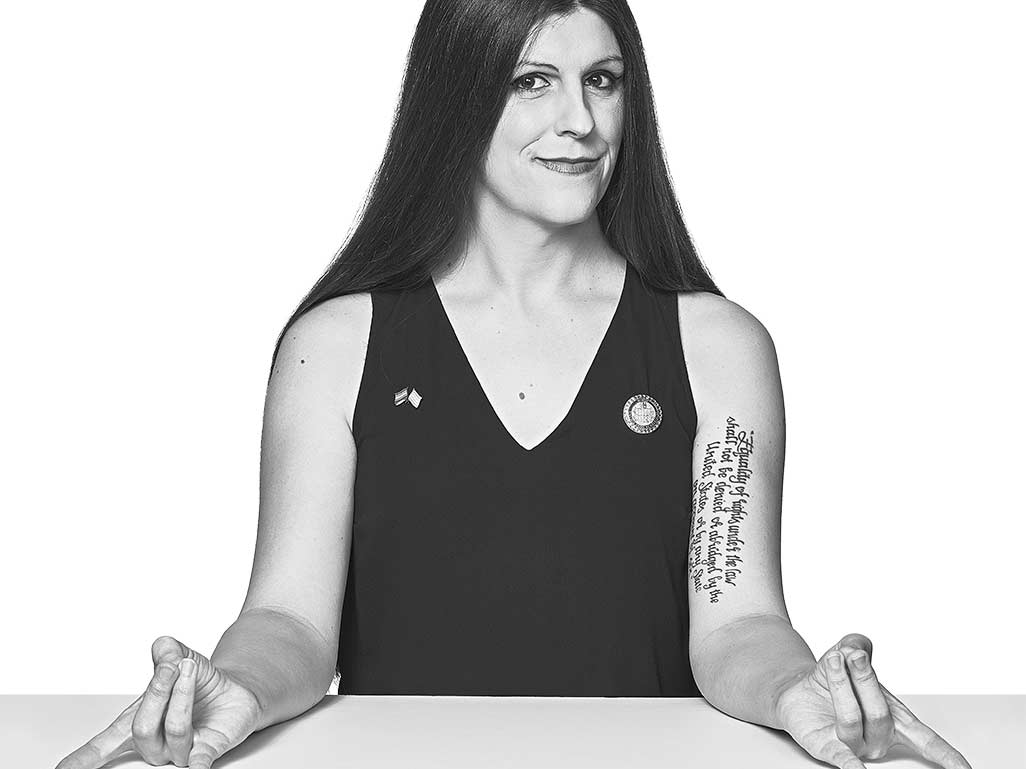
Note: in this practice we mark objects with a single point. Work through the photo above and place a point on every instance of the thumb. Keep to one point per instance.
(168, 649)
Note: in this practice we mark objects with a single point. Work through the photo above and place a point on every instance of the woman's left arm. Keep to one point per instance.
(747, 659)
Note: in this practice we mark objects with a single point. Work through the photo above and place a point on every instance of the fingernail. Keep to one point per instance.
(860, 661)
(834, 661)
(165, 673)
(188, 666)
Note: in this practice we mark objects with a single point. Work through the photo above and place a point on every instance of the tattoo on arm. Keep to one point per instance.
(718, 499)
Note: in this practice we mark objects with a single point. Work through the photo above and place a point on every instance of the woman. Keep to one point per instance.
(571, 444)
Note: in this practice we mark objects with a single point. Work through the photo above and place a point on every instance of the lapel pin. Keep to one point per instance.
(408, 394)
(642, 413)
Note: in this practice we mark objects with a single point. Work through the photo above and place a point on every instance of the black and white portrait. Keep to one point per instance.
(447, 353)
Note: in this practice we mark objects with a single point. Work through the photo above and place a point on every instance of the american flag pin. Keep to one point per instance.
(401, 396)
(415, 399)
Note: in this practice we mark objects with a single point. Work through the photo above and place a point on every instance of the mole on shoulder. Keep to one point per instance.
(302, 361)
(521, 396)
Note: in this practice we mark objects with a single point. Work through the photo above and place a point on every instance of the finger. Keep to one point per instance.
(848, 724)
(114, 741)
(910, 731)
(202, 756)
(854, 641)
(933, 747)
(167, 648)
(148, 724)
(877, 723)
(840, 755)
(178, 722)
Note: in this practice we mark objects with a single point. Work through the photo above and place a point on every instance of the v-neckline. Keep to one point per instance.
(580, 389)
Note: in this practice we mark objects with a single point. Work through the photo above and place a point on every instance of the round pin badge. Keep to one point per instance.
(642, 413)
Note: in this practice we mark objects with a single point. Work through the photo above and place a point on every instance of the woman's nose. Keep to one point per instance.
(574, 114)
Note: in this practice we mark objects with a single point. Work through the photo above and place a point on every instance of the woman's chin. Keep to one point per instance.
(563, 215)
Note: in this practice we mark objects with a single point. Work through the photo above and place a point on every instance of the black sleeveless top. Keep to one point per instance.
(479, 567)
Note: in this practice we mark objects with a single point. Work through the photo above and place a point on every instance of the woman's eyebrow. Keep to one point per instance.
(553, 66)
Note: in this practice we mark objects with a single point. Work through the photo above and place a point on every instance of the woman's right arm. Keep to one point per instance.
(277, 659)
(285, 642)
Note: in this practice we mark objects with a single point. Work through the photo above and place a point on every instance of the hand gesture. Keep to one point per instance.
(840, 714)
(190, 714)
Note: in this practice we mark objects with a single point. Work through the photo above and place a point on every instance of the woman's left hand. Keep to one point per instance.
(841, 715)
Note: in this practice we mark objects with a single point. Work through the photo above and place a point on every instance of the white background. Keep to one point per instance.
(175, 176)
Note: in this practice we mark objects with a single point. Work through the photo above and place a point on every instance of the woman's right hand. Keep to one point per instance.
(185, 717)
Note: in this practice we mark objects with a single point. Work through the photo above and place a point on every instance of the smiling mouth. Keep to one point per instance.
(571, 167)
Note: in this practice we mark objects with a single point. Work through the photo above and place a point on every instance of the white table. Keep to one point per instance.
(491, 732)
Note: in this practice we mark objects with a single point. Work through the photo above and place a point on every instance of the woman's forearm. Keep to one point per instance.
(741, 667)
(282, 660)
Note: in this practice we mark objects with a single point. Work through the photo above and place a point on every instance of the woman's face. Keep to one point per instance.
(566, 101)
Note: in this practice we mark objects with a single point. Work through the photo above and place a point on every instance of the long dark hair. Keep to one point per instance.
(458, 73)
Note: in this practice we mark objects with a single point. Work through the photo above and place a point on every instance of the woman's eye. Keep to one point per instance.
(524, 82)
(612, 81)
(527, 78)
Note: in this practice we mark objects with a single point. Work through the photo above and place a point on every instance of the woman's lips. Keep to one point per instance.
(575, 168)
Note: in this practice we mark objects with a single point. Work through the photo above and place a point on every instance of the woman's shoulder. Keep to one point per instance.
(339, 322)
(340, 309)
(713, 319)
(330, 341)
(724, 345)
